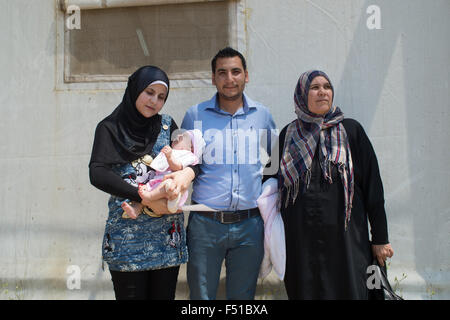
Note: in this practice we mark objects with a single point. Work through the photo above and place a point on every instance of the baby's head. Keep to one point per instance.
(183, 142)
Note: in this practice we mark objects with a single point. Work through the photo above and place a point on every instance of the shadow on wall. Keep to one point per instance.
(415, 27)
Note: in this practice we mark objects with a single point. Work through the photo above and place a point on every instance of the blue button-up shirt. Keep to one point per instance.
(230, 172)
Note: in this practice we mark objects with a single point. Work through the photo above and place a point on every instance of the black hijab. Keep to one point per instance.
(126, 135)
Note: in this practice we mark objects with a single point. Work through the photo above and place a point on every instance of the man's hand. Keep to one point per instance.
(181, 181)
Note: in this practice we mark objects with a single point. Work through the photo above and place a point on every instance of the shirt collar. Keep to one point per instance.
(248, 104)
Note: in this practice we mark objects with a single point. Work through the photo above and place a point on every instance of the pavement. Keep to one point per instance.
(269, 288)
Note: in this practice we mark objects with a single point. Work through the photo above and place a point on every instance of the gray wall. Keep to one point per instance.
(394, 80)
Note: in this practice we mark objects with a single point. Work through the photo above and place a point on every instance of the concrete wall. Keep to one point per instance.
(394, 80)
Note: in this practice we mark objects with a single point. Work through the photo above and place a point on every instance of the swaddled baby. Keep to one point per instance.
(186, 150)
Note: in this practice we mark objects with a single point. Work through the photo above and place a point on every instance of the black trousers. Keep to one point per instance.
(145, 285)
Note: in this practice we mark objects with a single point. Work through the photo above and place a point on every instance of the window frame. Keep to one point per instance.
(66, 81)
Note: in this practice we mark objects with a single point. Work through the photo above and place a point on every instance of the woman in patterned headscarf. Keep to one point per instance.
(329, 186)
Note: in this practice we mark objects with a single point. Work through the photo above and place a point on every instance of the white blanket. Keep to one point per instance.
(274, 240)
(186, 158)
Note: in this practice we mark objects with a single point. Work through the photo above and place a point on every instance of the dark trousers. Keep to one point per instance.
(145, 285)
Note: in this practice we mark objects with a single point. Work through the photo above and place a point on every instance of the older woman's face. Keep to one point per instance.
(320, 96)
(151, 100)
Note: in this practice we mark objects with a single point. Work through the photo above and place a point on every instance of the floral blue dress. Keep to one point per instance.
(146, 243)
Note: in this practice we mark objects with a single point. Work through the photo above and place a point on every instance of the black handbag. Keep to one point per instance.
(384, 291)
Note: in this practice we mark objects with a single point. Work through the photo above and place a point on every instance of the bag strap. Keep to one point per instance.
(385, 282)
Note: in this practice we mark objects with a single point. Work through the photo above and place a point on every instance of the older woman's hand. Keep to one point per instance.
(382, 252)
(180, 182)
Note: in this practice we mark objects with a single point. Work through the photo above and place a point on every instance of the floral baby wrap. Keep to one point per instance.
(146, 243)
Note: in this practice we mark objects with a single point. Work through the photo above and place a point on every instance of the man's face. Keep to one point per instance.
(230, 78)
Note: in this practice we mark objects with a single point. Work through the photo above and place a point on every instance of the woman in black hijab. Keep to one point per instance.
(143, 254)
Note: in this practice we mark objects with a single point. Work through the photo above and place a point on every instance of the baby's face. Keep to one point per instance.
(182, 142)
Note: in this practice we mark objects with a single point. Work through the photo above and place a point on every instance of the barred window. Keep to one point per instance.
(181, 38)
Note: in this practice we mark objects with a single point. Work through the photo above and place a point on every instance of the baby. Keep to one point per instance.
(187, 149)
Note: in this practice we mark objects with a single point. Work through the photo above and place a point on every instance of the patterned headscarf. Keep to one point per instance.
(303, 135)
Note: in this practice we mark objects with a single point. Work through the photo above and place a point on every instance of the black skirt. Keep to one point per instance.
(323, 260)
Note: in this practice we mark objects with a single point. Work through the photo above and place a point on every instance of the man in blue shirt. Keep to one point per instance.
(236, 130)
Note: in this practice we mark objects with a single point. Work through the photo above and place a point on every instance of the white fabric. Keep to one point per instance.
(197, 141)
(274, 240)
(197, 207)
(186, 157)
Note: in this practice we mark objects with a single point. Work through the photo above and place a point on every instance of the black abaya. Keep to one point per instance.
(323, 260)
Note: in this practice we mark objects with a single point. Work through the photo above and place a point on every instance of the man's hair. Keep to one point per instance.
(227, 52)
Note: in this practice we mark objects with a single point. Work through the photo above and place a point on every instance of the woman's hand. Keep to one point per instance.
(382, 252)
(157, 206)
(180, 182)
